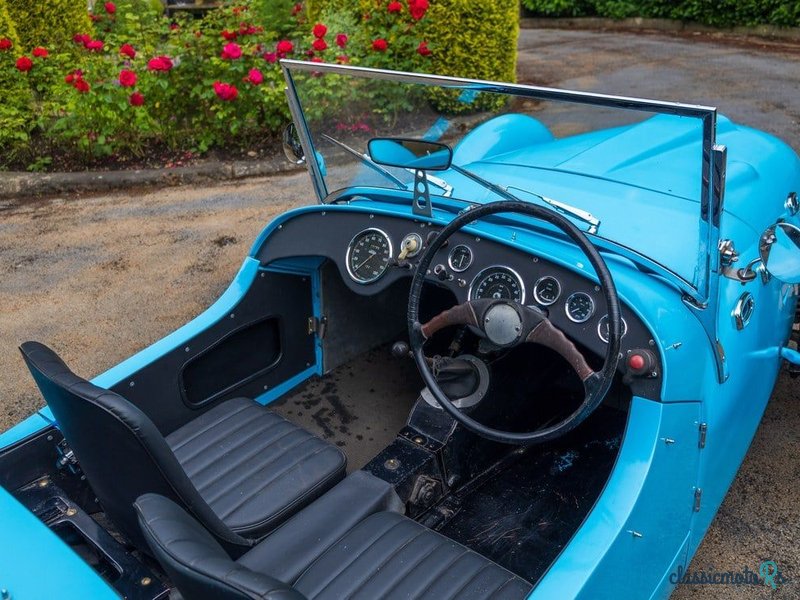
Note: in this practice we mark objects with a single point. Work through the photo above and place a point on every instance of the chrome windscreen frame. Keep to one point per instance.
(702, 294)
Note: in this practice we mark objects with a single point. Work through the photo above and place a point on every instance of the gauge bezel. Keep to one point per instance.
(480, 274)
(591, 312)
(536, 290)
(352, 275)
(450, 258)
(600, 325)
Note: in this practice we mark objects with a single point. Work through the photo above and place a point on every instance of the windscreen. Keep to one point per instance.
(630, 172)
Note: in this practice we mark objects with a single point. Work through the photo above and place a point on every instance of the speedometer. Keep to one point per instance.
(496, 283)
(368, 255)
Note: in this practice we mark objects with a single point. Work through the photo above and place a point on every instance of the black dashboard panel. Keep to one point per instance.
(575, 305)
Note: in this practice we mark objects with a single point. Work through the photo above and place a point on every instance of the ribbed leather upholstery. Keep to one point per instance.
(363, 550)
(390, 556)
(252, 466)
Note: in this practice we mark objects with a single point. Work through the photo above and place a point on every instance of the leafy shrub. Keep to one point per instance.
(48, 23)
(722, 13)
(15, 96)
(476, 40)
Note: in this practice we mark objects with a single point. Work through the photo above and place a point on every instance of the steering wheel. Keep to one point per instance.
(507, 323)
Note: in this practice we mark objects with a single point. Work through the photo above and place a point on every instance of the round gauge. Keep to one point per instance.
(368, 255)
(579, 307)
(602, 329)
(497, 282)
(460, 258)
(547, 290)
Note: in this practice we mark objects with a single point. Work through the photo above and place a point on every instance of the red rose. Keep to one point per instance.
(225, 91)
(423, 49)
(110, 7)
(271, 57)
(255, 77)
(81, 38)
(394, 7)
(297, 8)
(380, 45)
(231, 51)
(94, 45)
(81, 86)
(160, 63)
(317, 59)
(229, 35)
(136, 99)
(24, 64)
(74, 76)
(174, 27)
(128, 51)
(40, 52)
(341, 40)
(284, 47)
(319, 30)
(343, 58)
(127, 78)
(417, 8)
(319, 45)
(5, 44)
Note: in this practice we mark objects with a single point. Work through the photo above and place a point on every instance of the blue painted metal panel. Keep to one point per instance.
(639, 525)
(36, 564)
(33, 424)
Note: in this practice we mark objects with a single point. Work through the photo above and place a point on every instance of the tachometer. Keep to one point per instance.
(579, 307)
(497, 282)
(368, 255)
(547, 290)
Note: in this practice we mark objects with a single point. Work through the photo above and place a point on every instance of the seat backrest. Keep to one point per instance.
(195, 562)
(119, 449)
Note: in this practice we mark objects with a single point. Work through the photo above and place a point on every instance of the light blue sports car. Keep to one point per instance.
(518, 348)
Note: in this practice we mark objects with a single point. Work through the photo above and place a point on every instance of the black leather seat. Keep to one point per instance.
(239, 468)
(351, 543)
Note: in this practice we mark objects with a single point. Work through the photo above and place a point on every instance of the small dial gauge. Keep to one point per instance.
(368, 255)
(602, 329)
(496, 283)
(460, 258)
(547, 290)
(579, 307)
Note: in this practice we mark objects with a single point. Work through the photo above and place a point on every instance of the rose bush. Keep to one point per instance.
(134, 81)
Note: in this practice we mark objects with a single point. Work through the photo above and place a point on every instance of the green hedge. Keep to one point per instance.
(15, 95)
(48, 23)
(720, 13)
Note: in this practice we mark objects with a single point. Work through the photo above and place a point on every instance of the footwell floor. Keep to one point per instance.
(525, 512)
(360, 407)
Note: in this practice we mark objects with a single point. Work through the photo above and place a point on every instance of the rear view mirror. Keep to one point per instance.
(780, 252)
(410, 154)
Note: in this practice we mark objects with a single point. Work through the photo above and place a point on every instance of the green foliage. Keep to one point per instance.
(721, 13)
(7, 28)
(48, 23)
(476, 40)
(15, 97)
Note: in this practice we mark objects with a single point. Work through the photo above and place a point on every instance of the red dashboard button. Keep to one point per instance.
(636, 362)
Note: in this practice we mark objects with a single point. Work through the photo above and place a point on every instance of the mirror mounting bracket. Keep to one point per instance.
(421, 204)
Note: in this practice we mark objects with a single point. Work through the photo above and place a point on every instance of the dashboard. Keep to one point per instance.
(374, 251)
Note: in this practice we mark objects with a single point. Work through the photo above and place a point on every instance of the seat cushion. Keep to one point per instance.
(389, 556)
(253, 467)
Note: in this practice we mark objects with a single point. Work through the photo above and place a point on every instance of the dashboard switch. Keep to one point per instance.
(641, 363)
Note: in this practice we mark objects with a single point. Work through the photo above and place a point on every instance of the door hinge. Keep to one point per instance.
(703, 430)
(317, 326)
(698, 495)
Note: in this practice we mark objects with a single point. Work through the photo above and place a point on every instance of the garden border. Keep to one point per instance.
(17, 185)
(770, 32)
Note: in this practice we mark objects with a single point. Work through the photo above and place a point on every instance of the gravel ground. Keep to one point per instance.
(99, 278)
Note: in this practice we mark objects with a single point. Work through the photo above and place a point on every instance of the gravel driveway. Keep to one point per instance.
(99, 278)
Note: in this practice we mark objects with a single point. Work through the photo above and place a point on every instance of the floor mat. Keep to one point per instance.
(360, 406)
(525, 513)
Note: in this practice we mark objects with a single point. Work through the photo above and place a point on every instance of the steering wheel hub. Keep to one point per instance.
(502, 324)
